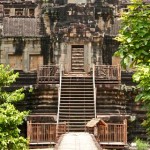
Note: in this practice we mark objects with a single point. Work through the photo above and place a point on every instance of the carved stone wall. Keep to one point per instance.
(21, 53)
(57, 25)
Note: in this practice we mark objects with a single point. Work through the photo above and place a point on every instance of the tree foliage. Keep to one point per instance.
(134, 49)
(142, 77)
(134, 36)
(10, 117)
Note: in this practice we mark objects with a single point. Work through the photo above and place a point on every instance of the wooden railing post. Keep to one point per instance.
(28, 130)
(119, 72)
(125, 131)
(37, 80)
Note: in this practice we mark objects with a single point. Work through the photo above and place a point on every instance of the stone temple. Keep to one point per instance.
(64, 50)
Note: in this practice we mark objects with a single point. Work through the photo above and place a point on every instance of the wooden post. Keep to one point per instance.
(37, 80)
(125, 131)
(28, 130)
(115, 132)
(119, 73)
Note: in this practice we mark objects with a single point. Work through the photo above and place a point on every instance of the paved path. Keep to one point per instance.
(77, 141)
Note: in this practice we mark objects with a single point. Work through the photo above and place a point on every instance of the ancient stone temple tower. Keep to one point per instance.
(35, 33)
(80, 26)
(39, 36)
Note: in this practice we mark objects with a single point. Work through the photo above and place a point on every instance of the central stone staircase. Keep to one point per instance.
(76, 102)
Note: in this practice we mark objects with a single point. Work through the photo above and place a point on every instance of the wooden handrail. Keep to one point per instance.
(94, 90)
(59, 96)
(59, 93)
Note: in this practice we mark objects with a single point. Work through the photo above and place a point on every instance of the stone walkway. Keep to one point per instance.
(77, 141)
(43, 149)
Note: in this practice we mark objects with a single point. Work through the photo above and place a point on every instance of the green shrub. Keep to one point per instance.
(141, 145)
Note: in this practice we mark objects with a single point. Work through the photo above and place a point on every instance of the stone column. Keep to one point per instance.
(26, 59)
(100, 55)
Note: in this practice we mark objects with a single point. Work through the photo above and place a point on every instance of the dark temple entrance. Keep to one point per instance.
(77, 58)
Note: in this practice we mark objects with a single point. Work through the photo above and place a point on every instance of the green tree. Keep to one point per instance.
(10, 117)
(134, 49)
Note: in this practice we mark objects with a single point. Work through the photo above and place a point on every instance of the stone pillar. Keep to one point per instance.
(89, 56)
(26, 59)
(100, 55)
(62, 47)
(67, 57)
(97, 54)
(56, 53)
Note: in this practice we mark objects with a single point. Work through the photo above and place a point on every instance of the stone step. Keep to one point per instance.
(77, 62)
(82, 120)
(77, 98)
(76, 65)
(77, 50)
(79, 77)
(76, 85)
(74, 113)
(74, 68)
(77, 55)
(77, 59)
(76, 104)
(77, 123)
(72, 124)
(75, 91)
(85, 117)
(77, 70)
(77, 110)
(76, 88)
(77, 80)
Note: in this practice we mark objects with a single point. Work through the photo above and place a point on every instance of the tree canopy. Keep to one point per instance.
(134, 35)
(134, 49)
(10, 117)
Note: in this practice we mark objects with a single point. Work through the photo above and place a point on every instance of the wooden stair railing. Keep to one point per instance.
(113, 132)
(110, 73)
(48, 74)
(44, 133)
